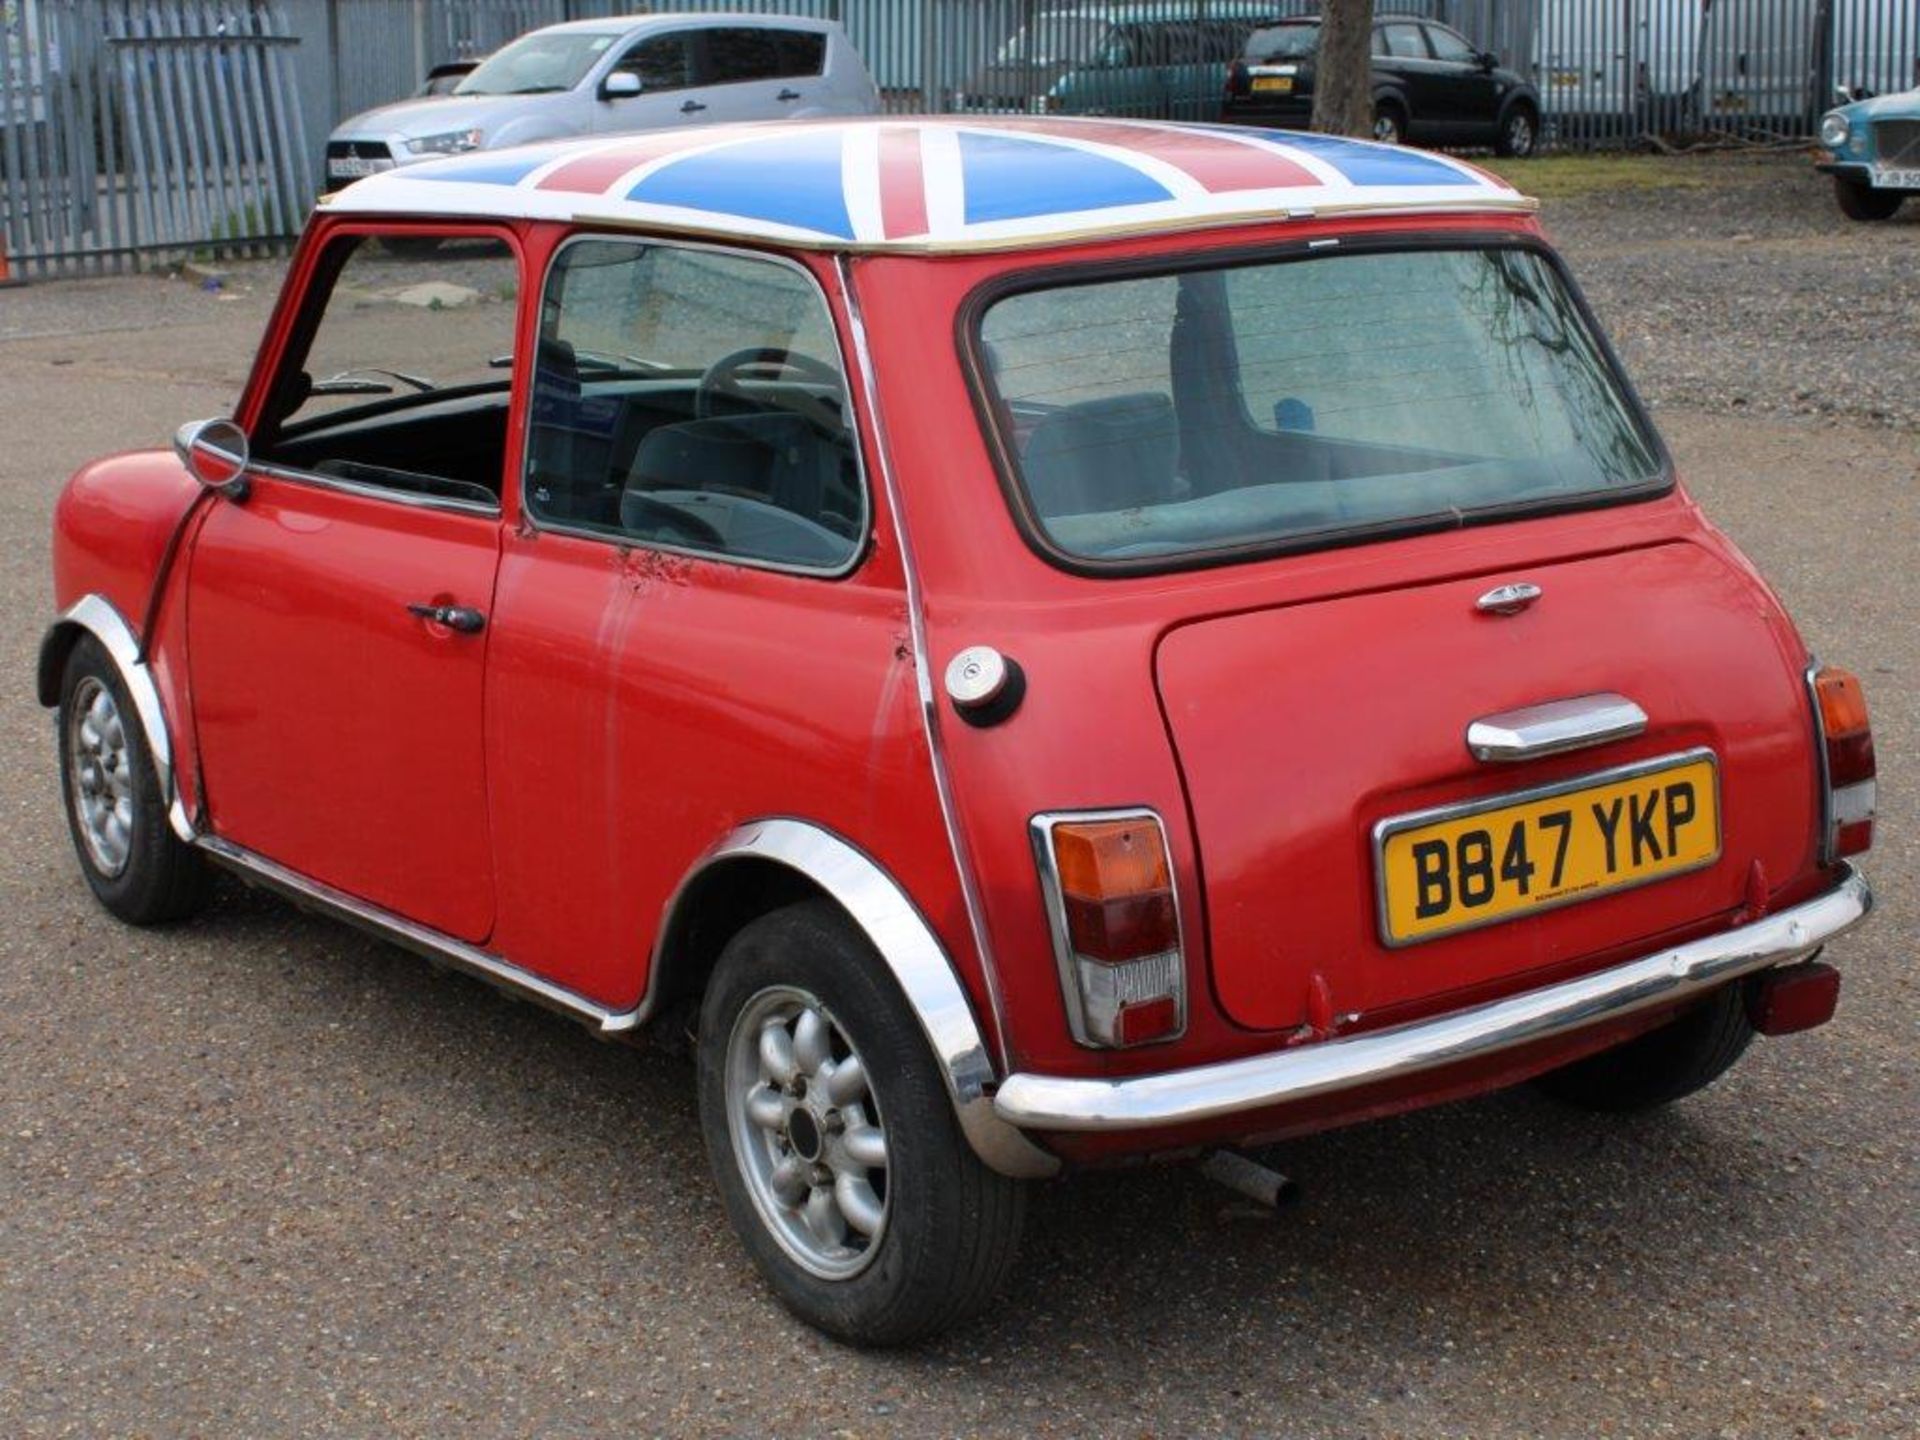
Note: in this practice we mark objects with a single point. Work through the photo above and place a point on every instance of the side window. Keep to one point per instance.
(1404, 42)
(663, 63)
(403, 383)
(694, 400)
(1380, 50)
(1120, 49)
(1451, 47)
(737, 53)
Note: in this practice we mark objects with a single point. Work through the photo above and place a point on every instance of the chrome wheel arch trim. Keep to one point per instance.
(911, 951)
(94, 615)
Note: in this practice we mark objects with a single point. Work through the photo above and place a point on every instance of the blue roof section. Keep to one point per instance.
(792, 179)
(1004, 178)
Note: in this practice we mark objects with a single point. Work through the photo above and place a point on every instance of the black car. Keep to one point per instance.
(1429, 85)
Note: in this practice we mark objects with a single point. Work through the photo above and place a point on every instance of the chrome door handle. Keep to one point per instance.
(691, 107)
(462, 618)
(1556, 726)
(788, 95)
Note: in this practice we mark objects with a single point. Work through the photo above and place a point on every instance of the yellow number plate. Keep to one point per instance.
(1273, 84)
(1469, 865)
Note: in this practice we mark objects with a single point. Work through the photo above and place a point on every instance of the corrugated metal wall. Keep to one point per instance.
(132, 128)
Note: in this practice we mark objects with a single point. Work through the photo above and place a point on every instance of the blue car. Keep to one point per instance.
(1874, 149)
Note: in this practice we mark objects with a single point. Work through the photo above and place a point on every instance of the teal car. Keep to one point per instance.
(1148, 60)
(1873, 149)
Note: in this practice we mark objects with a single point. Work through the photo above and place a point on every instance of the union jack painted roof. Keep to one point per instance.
(935, 184)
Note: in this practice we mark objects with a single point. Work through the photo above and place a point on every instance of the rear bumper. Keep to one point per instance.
(1184, 1097)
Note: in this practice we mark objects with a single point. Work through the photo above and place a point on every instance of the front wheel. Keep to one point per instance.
(1859, 201)
(1519, 133)
(134, 863)
(1389, 123)
(833, 1139)
(1686, 1054)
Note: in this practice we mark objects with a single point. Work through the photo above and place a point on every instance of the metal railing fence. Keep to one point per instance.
(140, 128)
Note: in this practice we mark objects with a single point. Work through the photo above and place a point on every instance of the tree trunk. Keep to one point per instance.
(1343, 70)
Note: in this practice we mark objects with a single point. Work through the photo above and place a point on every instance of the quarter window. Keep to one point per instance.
(693, 400)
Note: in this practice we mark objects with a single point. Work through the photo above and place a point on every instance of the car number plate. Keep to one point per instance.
(354, 167)
(1463, 866)
(1273, 84)
(1886, 177)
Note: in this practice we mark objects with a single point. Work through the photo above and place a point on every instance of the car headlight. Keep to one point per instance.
(1834, 131)
(452, 142)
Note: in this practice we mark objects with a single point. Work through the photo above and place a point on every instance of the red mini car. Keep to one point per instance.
(1051, 641)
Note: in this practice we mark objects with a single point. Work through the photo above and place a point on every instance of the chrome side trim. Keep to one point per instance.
(919, 964)
(313, 480)
(1179, 1097)
(420, 939)
(923, 662)
(1554, 727)
(95, 614)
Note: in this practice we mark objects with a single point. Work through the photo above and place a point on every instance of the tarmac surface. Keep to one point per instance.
(262, 1176)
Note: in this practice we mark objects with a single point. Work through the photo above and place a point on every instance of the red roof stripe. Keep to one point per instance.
(592, 174)
(903, 185)
(1220, 166)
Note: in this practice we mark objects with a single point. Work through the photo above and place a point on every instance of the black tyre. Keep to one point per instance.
(1389, 123)
(134, 863)
(1863, 202)
(1519, 133)
(833, 1139)
(1687, 1054)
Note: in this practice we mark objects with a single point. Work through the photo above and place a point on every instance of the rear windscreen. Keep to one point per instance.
(1277, 404)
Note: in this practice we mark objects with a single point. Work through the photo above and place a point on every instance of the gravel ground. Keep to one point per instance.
(1742, 289)
(262, 1176)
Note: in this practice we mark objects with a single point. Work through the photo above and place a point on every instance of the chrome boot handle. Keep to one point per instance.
(1554, 727)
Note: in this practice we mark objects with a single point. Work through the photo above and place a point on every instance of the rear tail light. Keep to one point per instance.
(1236, 78)
(1108, 886)
(1847, 765)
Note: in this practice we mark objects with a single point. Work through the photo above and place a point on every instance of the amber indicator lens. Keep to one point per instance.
(1844, 722)
(1115, 888)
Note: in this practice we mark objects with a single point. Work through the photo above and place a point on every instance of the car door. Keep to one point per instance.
(1468, 91)
(1400, 52)
(667, 67)
(337, 611)
(762, 72)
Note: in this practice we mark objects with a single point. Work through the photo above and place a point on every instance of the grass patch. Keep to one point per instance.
(1561, 177)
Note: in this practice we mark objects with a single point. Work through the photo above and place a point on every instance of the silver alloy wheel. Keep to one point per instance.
(807, 1132)
(100, 773)
(1386, 129)
(1520, 134)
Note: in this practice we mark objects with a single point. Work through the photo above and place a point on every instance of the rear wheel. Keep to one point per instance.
(1519, 133)
(1862, 202)
(1389, 123)
(833, 1140)
(1686, 1054)
(134, 863)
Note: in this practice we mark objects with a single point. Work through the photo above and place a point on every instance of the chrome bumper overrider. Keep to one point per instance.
(1179, 1097)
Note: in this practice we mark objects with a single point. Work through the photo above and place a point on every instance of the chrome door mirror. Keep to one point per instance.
(215, 454)
(620, 85)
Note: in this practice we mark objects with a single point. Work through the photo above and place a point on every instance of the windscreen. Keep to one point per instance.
(537, 64)
(1275, 404)
(1283, 42)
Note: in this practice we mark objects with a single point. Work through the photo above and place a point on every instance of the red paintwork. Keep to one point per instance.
(542, 788)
